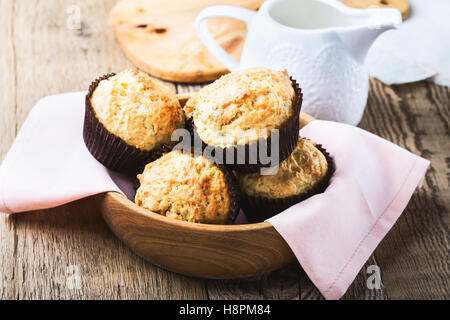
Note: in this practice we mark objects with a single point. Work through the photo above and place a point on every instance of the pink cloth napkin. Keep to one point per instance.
(332, 234)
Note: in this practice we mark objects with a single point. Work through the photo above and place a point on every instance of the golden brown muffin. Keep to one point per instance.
(186, 187)
(139, 110)
(242, 106)
(299, 173)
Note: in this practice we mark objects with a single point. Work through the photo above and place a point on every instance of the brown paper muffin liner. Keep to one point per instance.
(234, 193)
(258, 209)
(288, 139)
(113, 152)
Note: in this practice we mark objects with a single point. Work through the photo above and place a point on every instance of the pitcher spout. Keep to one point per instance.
(359, 39)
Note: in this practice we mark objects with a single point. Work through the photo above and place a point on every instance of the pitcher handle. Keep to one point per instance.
(242, 14)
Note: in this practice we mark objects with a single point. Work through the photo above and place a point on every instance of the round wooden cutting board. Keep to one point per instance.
(159, 37)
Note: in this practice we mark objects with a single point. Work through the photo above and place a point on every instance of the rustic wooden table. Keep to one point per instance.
(68, 252)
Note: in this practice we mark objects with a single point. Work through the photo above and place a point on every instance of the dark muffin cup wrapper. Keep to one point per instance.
(288, 138)
(258, 209)
(234, 193)
(110, 150)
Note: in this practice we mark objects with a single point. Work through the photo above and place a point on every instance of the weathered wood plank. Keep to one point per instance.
(414, 256)
(8, 240)
(282, 284)
(69, 253)
(8, 89)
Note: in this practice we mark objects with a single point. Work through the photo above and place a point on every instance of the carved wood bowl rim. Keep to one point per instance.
(121, 199)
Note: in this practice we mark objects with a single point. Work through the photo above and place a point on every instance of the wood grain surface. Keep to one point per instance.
(42, 253)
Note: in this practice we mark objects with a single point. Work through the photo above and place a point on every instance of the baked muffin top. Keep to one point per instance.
(299, 173)
(242, 106)
(136, 108)
(185, 187)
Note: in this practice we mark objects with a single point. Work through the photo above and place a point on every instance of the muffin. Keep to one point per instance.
(129, 120)
(304, 173)
(240, 109)
(188, 187)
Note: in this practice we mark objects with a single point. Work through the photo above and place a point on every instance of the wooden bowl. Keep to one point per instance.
(198, 250)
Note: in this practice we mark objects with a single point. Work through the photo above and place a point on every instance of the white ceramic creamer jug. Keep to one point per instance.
(321, 43)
